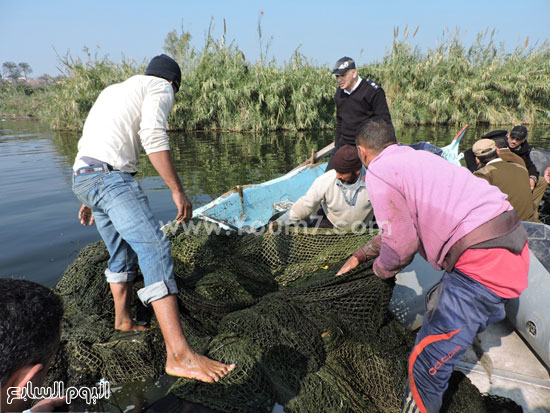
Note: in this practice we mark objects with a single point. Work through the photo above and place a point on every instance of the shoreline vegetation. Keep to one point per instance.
(221, 91)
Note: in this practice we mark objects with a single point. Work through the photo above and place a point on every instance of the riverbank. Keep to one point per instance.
(12, 116)
(221, 90)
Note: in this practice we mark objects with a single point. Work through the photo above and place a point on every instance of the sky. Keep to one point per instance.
(38, 32)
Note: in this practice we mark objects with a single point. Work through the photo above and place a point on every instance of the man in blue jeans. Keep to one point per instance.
(126, 118)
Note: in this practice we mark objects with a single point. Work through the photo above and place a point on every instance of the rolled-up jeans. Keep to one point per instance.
(125, 222)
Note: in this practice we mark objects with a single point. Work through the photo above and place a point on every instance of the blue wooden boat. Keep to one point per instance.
(250, 207)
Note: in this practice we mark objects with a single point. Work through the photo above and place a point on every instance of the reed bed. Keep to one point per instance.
(221, 90)
(20, 100)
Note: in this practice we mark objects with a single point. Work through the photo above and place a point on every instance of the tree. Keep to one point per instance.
(11, 70)
(25, 68)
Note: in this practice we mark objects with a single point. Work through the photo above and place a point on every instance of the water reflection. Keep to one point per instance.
(210, 163)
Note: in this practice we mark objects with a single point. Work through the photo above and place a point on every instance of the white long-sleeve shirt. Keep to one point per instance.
(326, 193)
(126, 118)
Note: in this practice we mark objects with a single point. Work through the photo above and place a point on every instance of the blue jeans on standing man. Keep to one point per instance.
(125, 222)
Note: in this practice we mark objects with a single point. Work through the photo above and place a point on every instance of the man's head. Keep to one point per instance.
(485, 150)
(517, 136)
(347, 164)
(30, 328)
(373, 136)
(166, 68)
(345, 72)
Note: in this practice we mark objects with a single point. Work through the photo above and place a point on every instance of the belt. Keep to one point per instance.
(98, 168)
(94, 168)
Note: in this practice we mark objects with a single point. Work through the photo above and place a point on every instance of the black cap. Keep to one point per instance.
(343, 65)
(519, 132)
(165, 67)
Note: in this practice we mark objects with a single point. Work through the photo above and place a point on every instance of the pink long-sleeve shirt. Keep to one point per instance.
(425, 204)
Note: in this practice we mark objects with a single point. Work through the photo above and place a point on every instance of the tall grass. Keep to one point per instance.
(69, 101)
(222, 90)
(20, 100)
(453, 84)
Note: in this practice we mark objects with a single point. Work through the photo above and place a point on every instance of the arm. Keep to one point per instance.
(531, 168)
(162, 162)
(309, 203)
(154, 114)
(367, 252)
(399, 240)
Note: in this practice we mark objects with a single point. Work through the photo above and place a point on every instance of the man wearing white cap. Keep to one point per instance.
(356, 100)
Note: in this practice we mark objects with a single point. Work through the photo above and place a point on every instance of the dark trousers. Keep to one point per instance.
(457, 309)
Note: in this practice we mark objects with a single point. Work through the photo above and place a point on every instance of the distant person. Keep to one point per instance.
(356, 100)
(500, 137)
(511, 178)
(125, 118)
(30, 330)
(341, 193)
(517, 142)
(456, 222)
(507, 155)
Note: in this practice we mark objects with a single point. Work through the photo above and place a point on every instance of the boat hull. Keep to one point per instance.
(251, 206)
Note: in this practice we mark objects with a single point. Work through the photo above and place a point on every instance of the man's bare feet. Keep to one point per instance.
(130, 326)
(197, 366)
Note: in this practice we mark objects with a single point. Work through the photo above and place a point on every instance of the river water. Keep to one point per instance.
(39, 231)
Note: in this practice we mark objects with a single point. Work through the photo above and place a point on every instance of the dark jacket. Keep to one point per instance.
(366, 101)
(524, 150)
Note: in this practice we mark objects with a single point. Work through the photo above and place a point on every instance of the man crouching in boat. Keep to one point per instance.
(127, 117)
(457, 222)
(341, 193)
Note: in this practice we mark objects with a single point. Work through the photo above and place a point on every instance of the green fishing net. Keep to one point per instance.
(270, 303)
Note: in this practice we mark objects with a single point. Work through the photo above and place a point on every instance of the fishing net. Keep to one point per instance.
(270, 303)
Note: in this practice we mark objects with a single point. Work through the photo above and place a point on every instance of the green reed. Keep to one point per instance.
(20, 100)
(221, 90)
(452, 84)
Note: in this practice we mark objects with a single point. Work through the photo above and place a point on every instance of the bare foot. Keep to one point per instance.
(130, 326)
(197, 366)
